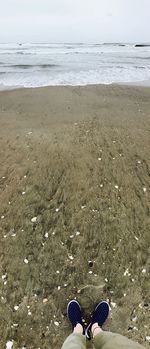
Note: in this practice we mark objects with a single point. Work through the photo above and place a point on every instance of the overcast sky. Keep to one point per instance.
(74, 20)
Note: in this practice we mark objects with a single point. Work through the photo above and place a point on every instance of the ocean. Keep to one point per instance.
(35, 65)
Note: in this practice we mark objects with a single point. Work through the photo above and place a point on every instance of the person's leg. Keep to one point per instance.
(76, 340)
(107, 340)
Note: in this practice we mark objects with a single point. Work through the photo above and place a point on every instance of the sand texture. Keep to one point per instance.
(74, 188)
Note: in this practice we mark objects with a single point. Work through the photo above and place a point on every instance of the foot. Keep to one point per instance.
(74, 313)
(99, 316)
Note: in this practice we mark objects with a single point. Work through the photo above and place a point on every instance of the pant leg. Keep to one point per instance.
(75, 341)
(108, 340)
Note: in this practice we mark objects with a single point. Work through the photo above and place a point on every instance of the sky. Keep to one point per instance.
(92, 21)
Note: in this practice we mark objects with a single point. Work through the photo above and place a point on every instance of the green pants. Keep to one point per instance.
(104, 340)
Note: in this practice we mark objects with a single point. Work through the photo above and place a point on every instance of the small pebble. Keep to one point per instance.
(78, 233)
(134, 319)
(135, 328)
(23, 192)
(57, 210)
(45, 300)
(56, 323)
(148, 338)
(113, 304)
(9, 345)
(126, 272)
(26, 261)
(116, 186)
(16, 307)
(4, 276)
(58, 288)
(99, 159)
(46, 235)
(71, 257)
(143, 270)
(34, 219)
(136, 238)
(144, 189)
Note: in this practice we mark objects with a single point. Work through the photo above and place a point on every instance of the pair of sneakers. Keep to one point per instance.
(99, 316)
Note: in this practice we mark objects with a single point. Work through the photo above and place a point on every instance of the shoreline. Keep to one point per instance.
(49, 87)
(144, 83)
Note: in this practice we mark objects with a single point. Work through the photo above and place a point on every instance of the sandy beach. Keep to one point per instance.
(74, 188)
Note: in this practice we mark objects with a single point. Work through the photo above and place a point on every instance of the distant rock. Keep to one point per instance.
(142, 45)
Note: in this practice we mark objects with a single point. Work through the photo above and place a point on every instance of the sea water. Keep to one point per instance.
(34, 65)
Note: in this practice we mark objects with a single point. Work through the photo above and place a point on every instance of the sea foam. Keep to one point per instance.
(35, 65)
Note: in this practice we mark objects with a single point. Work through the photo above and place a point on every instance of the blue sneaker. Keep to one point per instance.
(74, 313)
(100, 315)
